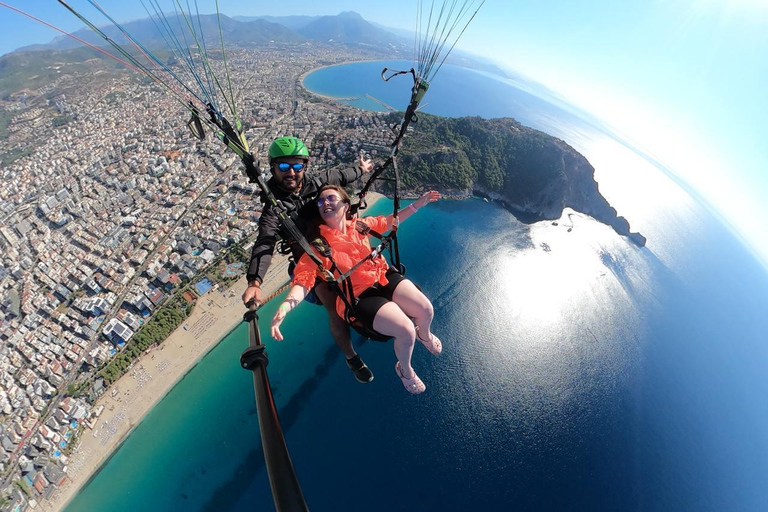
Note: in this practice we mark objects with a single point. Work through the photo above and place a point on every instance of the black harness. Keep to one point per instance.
(341, 282)
(292, 209)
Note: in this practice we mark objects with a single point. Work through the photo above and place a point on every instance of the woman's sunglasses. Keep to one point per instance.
(285, 167)
(330, 199)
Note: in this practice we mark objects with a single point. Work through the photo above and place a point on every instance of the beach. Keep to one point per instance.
(326, 97)
(153, 375)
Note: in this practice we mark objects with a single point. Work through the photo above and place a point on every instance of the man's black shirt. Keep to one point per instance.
(303, 211)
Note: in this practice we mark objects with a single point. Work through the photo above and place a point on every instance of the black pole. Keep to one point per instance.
(286, 491)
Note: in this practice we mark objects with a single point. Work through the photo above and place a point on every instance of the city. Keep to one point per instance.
(112, 209)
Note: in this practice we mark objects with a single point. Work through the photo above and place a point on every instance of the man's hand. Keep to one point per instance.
(253, 292)
(365, 164)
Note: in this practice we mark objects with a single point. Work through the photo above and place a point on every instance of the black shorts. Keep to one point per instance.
(371, 300)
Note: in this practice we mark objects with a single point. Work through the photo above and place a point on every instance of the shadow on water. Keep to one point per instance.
(662, 273)
(618, 268)
(639, 262)
(229, 493)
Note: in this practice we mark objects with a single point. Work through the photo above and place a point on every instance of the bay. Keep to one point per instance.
(580, 372)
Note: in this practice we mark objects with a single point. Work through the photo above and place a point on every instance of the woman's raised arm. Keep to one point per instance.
(426, 198)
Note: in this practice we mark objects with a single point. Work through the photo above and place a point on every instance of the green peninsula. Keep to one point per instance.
(533, 174)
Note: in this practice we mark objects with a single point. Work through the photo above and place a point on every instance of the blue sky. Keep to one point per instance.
(683, 79)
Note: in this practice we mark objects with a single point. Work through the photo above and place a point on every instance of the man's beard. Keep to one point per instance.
(290, 185)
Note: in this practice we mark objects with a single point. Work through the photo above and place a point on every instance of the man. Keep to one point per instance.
(288, 161)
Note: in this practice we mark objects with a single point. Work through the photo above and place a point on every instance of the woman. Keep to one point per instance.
(387, 301)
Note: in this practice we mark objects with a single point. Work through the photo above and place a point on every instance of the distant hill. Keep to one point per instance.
(294, 23)
(347, 27)
(408, 35)
(20, 70)
(242, 33)
(350, 28)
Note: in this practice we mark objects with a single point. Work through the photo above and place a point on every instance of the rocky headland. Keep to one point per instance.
(531, 173)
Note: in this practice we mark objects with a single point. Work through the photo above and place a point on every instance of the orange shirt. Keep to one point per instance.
(347, 250)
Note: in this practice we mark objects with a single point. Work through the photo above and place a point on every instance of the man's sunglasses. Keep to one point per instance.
(285, 167)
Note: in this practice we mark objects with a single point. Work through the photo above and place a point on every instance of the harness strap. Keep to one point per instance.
(342, 284)
(230, 138)
(417, 94)
(344, 290)
(235, 140)
(418, 90)
(194, 124)
(365, 229)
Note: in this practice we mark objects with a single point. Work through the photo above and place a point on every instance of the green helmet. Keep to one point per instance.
(287, 146)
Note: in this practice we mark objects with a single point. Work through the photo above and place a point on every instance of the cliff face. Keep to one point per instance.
(571, 184)
(533, 174)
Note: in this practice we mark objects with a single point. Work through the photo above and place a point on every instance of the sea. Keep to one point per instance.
(580, 372)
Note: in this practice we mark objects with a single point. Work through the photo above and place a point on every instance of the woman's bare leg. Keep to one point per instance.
(390, 320)
(416, 305)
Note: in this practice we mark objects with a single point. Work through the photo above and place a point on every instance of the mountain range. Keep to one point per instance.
(346, 28)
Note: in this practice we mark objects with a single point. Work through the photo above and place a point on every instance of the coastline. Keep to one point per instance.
(324, 96)
(155, 374)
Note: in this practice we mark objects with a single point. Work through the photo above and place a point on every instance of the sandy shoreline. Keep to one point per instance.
(216, 314)
(153, 375)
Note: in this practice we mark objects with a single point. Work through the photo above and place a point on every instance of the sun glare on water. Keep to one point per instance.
(543, 282)
(560, 308)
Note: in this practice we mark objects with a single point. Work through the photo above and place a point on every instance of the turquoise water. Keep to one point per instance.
(580, 372)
